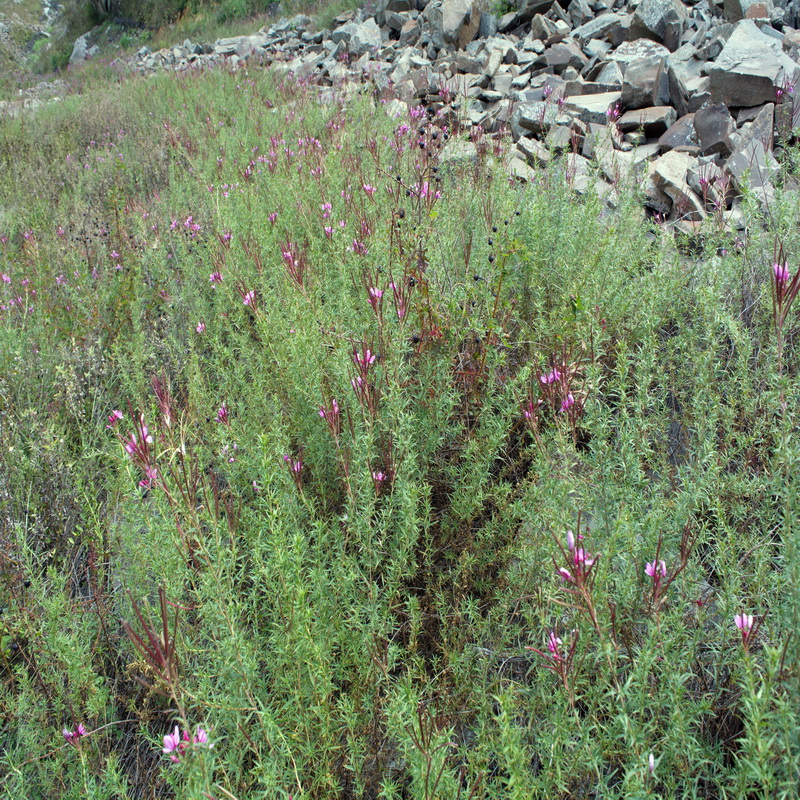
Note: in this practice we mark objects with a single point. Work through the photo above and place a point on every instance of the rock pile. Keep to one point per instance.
(694, 97)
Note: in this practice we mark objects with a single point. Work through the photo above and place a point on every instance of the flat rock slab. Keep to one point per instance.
(636, 49)
(653, 121)
(593, 107)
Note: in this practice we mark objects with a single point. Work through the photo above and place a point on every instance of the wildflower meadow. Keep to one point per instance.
(336, 465)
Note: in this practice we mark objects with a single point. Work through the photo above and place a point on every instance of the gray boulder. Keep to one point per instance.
(715, 129)
(453, 23)
(661, 20)
(366, 38)
(749, 67)
(646, 83)
(528, 9)
(80, 50)
(735, 10)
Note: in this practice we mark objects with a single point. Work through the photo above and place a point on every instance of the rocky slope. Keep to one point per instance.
(697, 98)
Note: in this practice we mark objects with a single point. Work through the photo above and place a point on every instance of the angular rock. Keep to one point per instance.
(661, 20)
(341, 34)
(527, 9)
(715, 128)
(735, 10)
(597, 28)
(680, 135)
(487, 26)
(709, 182)
(761, 127)
(410, 33)
(752, 168)
(366, 38)
(534, 152)
(653, 121)
(535, 117)
(669, 175)
(610, 74)
(80, 50)
(646, 83)
(566, 54)
(542, 28)
(593, 108)
(631, 51)
(454, 23)
(748, 68)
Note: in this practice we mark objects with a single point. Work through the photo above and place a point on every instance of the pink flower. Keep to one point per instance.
(378, 477)
(151, 474)
(173, 743)
(249, 297)
(215, 278)
(113, 418)
(553, 643)
(582, 558)
(73, 736)
(565, 574)
(273, 217)
(551, 377)
(370, 190)
(652, 569)
(570, 540)
(567, 402)
(222, 415)
(201, 327)
(781, 272)
(114, 254)
(744, 622)
(201, 738)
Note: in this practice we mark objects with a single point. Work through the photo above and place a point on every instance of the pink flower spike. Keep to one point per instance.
(781, 272)
(80, 730)
(553, 643)
(249, 298)
(201, 738)
(113, 418)
(568, 402)
(551, 377)
(172, 742)
(744, 622)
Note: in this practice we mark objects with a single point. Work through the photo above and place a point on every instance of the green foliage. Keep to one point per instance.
(359, 603)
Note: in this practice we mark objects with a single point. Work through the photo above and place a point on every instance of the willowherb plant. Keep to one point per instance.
(785, 287)
(560, 660)
(157, 645)
(662, 578)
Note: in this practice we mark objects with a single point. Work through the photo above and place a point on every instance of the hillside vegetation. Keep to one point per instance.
(376, 473)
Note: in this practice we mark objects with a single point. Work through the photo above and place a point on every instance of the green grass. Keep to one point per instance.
(348, 603)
